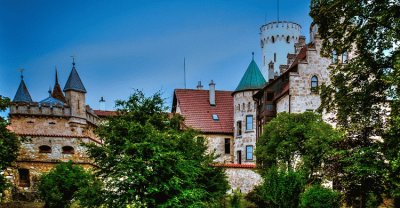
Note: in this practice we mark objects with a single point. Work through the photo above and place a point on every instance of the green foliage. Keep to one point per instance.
(317, 196)
(279, 189)
(290, 137)
(359, 93)
(146, 160)
(9, 144)
(67, 183)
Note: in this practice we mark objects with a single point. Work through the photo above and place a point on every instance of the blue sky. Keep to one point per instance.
(125, 45)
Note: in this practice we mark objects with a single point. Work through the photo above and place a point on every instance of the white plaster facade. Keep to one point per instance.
(277, 39)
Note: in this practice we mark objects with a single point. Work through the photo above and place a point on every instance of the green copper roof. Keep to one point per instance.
(252, 78)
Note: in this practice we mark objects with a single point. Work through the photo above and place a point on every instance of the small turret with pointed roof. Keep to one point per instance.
(75, 94)
(74, 81)
(22, 94)
(252, 78)
(57, 92)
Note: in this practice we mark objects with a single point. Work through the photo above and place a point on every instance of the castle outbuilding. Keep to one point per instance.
(54, 128)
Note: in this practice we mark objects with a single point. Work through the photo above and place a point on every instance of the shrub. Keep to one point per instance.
(318, 196)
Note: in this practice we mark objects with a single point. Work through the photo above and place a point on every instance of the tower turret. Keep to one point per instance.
(57, 92)
(22, 94)
(277, 41)
(75, 94)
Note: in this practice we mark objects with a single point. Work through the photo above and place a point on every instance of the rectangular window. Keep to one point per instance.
(249, 152)
(249, 122)
(24, 180)
(239, 128)
(227, 146)
(270, 96)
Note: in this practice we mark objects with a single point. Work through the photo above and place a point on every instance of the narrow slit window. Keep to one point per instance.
(239, 128)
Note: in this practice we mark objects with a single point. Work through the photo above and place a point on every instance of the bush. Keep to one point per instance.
(280, 189)
(67, 183)
(318, 196)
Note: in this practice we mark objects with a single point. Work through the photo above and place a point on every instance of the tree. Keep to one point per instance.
(317, 196)
(147, 160)
(280, 188)
(297, 141)
(9, 144)
(361, 90)
(67, 183)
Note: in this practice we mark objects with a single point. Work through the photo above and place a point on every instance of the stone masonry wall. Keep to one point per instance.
(243, 179)
(216, 142)
(244, 105)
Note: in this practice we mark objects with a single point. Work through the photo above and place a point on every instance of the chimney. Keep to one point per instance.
(102, 103)
(271, 70)
(299, 45)
(283, 68)
(212, 93)
(199, 86)
(290, 58)
(276, 75)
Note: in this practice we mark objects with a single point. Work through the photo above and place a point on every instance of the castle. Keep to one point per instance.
(231, 121)
(54, 129)
(292, 71)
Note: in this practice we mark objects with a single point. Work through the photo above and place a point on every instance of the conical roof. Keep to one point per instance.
(22, 94)
(57, 92)
(252, 78)
(74, 82)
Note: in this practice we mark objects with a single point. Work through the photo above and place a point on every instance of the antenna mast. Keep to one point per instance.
(277, 8)
(184, 71)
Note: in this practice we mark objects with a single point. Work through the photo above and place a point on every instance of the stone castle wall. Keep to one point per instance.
(216, 143)
(244, 179)
(244, 105)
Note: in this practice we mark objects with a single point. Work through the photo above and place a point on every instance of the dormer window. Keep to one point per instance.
(44, 149)
(215, 117)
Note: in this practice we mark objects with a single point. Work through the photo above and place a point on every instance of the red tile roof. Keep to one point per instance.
(197, 111)
(104, 113)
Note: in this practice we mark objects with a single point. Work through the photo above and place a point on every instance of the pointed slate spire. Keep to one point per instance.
(252, 78)
(57, 92)
(22, 94)
(74, 81)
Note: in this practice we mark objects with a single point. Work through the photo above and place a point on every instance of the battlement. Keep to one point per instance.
(37, 109)
(40, 109)
(280, 24)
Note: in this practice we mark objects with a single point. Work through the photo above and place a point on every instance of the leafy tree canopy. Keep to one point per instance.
(9, 144)
(146, 160)
(296, 141)
(67, 183)
(364, 91)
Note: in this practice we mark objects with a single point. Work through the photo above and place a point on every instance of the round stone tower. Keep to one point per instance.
(245, 114)
(277, 40)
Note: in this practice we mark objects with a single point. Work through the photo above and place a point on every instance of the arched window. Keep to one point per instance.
(273, 39)
(334, 57)
(248, 107)
(68, 150)
(288, 39)
(314, 83)
(243, 107)
(44, 149)
(344, 57)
